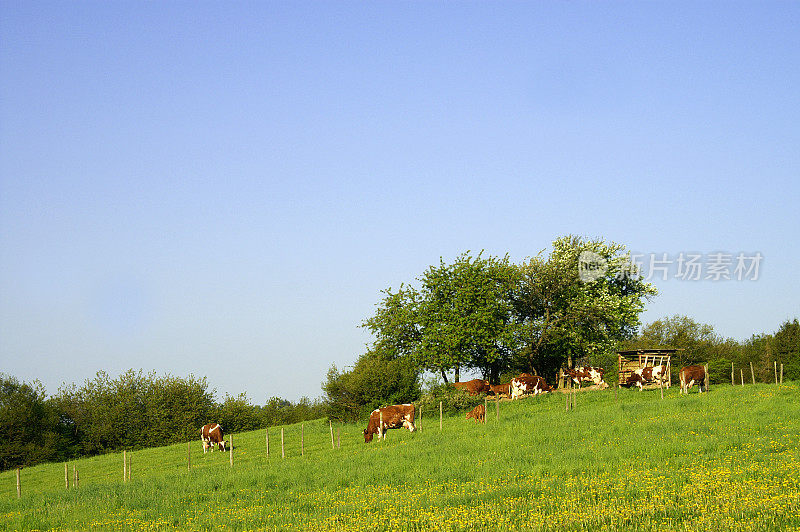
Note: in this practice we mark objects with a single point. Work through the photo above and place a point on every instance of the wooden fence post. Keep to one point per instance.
(339, 437)
(775, 365)
(283, 453)
(331, 426)
(66, 475)
(230, 451)
(267, 442)
(781, 372)
(75, 481)
(130, 465)
(124, 466)
(569, 394)
(19, 485)
(189, 456)
(419, 425)
(732, 382)
(574, 395)
(440, 416)
(752, 373)
(741, 375)
(302, 439)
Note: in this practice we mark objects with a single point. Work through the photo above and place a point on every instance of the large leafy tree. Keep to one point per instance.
(460, 317)
(564, 314)
(465, 316)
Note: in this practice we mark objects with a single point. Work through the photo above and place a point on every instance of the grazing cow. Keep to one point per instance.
(478, 413)
(211, 435)
(642, 376)
(393, 417)
(534, 384)
(587, 373)
(691, 375)
(501, 389)
(474, 387)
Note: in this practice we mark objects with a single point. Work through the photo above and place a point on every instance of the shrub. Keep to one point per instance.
(454, 401)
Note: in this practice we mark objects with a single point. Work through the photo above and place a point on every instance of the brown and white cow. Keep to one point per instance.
(473, 387)
(211, 436)
(393, 417)
(642, 376)
(478, 414)
(531, 384)
(587, 373)
(690, 375)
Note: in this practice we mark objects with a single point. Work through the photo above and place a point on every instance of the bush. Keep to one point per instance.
(374, 382)
(719, 371)
(454, 401)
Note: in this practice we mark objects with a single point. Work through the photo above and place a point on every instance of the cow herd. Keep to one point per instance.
(399, 416)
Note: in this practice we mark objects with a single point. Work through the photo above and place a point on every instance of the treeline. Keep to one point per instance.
(132, 411)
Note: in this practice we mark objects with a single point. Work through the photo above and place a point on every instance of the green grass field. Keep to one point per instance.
(727, 460)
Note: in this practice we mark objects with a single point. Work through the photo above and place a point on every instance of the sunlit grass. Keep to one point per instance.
(728, 460)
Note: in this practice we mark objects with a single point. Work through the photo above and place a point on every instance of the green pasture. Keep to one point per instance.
(726, 460)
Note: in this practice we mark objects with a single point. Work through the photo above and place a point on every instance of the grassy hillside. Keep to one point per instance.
(728, 460)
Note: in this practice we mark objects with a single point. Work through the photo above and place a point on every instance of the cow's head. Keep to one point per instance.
(367, 436)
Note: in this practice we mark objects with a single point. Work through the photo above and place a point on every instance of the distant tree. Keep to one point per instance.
(237, 414)
(563, 315)
(276, 411)
(374, 381)
(786, 346)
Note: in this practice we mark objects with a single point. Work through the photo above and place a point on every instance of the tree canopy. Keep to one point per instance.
(490, 315)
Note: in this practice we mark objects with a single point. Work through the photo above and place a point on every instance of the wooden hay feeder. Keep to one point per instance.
(630, 361)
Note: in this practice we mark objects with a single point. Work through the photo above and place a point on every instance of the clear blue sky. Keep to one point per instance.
(223, 189)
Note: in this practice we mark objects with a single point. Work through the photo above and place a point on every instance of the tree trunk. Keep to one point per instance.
(444, 377)
(457, 376)
(494, 373)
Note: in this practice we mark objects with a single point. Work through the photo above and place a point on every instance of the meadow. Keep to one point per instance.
(726, 460)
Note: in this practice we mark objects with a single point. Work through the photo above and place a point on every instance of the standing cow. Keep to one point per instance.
(587, 373)
(211, 436)
(389, 417)
(528, 384)
(691, 375)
